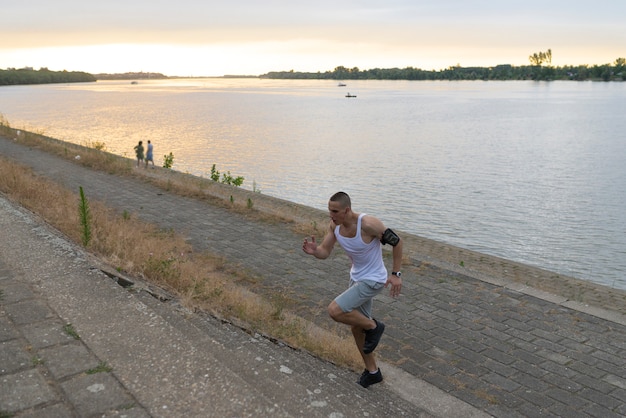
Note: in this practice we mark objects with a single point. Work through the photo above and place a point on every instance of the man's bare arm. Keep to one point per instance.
(322, 250)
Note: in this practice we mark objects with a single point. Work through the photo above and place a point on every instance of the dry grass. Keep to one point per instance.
(200, 280)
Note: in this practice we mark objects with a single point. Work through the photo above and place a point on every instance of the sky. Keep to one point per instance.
(252, 37)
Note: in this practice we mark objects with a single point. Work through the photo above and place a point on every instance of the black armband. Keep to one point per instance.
(390, 237)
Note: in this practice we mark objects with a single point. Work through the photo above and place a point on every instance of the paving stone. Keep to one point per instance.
(56, 410)
(501, 382)
(23, 390)
(68, 359)
(597, 410)
(569, 398)
(13, 292)
(46, 333)
(96, 394)
(7, 330)
(28, 311)
(14, 356)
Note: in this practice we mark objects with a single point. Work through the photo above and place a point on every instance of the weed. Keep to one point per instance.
(168, 160)
(215, 175)
(69, 330)
(234, 181)
(100, 146)
(226, 178)
(165, 270)
(277, 315)
(250, 204)
(85, 218)
(102, 367)
(36, 360)
(5, 125)
(217, 292)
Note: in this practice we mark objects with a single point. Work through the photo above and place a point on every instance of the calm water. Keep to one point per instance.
(533, 172)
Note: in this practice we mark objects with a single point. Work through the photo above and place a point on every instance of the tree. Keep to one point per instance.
(341, 72)
(538, 58)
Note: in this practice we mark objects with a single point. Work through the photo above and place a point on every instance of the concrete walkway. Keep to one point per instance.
(457, 344)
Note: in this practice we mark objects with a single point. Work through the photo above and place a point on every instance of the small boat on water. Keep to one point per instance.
(134, 82)
(341, 84)
(350, 95)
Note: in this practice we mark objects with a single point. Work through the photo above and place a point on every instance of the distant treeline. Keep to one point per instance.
(607, 72)
(131, 76)
(14, 76)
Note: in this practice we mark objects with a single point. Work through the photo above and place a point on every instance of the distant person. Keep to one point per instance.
(139, 152)
(149, 155)
(362, 237)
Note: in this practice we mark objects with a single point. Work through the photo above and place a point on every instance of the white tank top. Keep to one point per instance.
(367, 259)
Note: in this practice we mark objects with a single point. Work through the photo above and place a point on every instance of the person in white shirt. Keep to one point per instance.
(362, 237)
(150, 154)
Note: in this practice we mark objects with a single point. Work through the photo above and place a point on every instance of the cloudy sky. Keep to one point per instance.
(218, 37)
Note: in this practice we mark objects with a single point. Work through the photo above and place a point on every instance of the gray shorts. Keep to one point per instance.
(359, 296)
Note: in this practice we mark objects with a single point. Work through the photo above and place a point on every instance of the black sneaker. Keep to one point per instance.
(372, 337)
(368, 378)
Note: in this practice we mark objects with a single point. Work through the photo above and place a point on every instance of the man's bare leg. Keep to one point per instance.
(353, 318)
(368, 359)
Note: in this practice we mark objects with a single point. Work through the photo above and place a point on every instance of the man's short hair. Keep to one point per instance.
(342, 198)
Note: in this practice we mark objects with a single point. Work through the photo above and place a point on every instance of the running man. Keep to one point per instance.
(362, 237)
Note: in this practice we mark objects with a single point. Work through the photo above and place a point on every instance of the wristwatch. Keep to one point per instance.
(396, 273)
